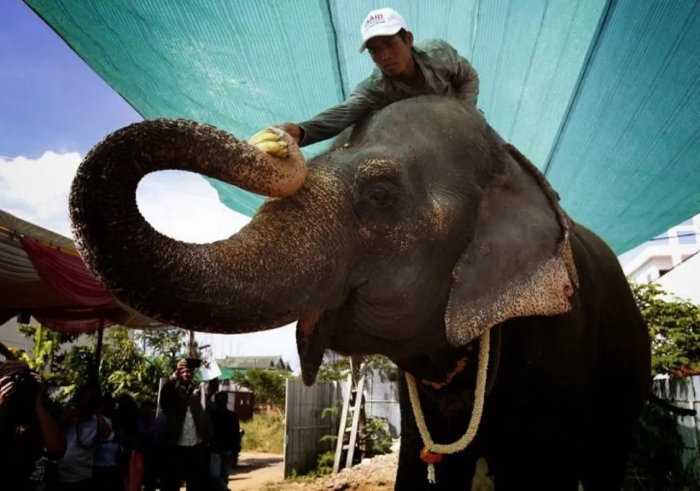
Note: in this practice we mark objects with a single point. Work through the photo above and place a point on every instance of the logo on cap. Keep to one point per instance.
(373, 20)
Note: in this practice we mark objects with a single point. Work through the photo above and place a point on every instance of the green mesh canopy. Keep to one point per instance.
(602, 95)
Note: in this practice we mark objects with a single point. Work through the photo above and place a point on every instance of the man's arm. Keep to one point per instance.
(464, 77)
(53, 438)
(366, 98)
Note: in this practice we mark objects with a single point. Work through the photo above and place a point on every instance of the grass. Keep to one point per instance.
(264, 434)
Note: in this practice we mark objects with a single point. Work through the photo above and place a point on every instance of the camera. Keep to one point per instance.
(24, 382)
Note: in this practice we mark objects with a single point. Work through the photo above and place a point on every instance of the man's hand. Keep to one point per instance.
(294, 130)
(6, 390)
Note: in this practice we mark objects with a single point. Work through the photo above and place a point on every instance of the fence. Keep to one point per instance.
(305, 426)
(383, 401)
(684, 392)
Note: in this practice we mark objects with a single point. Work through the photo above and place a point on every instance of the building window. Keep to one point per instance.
(663, 272)
(689, 221)
(661, 239)
(687, 237)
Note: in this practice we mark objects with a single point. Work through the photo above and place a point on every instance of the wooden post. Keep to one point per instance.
(192, 350)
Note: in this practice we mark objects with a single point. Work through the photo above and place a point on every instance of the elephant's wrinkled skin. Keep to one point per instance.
(411, 237)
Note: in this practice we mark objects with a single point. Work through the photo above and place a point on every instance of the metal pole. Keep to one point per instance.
(192, 352)
(98, 351)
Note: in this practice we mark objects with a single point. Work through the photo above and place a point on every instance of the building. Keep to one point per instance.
(11, 337)
(245, 363)
(672, 260)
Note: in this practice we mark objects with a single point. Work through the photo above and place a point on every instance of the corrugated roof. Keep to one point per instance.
(250, 362)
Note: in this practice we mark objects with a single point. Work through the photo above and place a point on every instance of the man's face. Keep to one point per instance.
(185, 375)
(392, 54)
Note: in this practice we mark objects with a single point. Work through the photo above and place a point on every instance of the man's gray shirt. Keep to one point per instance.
(445, 71)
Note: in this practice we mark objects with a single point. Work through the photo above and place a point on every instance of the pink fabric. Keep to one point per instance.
(67, 274)
(134, 475)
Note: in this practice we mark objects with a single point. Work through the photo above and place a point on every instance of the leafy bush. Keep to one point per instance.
(655, 463)
(674, 326)
(264, 434)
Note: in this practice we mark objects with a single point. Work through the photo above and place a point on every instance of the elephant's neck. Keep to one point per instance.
(448, 378)
(444, 368)
(459, 367)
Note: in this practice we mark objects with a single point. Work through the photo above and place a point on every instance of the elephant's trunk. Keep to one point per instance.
(210, 287)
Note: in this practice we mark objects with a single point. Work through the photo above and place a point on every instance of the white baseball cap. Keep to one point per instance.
(381, 22)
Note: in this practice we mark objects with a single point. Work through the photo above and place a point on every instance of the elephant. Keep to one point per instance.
(417, 235)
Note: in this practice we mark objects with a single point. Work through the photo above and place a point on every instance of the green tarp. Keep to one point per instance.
(603, 95)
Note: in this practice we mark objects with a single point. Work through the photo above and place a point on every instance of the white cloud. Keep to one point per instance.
(37, 190)
(179, 204)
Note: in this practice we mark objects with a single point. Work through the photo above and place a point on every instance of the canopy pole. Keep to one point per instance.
(192, 350)
(98, 352)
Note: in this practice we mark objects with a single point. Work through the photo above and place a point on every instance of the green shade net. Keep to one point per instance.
(602, 95)
(226, 373)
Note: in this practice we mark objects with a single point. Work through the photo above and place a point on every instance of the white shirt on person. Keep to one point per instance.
(82, 439)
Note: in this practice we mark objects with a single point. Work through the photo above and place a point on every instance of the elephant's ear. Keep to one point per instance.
(519, 262)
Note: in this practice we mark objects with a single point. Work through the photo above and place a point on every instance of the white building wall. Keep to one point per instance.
(684, 281)
(672, 260)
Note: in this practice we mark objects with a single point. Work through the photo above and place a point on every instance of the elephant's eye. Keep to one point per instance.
(379, 197)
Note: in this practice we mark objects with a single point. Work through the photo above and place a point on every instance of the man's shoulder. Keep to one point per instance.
(432, 45)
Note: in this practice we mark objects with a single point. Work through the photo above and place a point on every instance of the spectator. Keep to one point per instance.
(147, 445)
(85, 427)
(126, 426)
(27, 431)
(187, 431)
(226, 442)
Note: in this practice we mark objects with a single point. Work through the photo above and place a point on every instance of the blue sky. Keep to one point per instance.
(53, 109)
(49, 98)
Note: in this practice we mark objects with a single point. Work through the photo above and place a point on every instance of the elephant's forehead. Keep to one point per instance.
(376, 167)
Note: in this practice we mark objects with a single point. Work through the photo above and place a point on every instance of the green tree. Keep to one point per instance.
(674, 327)
(335, 368)
(47, 344)
(657, 445)
(269, 386)
(168, 345)
(131, 361)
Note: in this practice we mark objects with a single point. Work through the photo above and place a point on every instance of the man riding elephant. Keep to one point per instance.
(402, 70)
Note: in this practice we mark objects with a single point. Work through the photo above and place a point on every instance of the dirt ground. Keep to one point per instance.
(255, 471)
(264, 472)
(375, 475)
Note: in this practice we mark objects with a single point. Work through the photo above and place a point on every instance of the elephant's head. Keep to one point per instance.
(411, 237)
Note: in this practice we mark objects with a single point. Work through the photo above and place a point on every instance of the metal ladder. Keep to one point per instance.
(353, 404)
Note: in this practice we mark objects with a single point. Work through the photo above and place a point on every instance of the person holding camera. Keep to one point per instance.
(85, 427)
(187, 430)
(27, 430)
